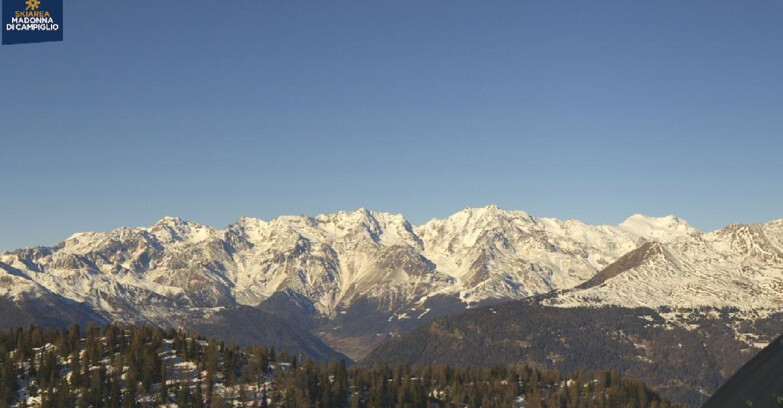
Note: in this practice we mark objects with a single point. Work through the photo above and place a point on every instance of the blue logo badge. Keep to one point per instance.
(32, 21)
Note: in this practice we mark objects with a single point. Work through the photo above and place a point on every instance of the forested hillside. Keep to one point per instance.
(686, 364)
(128, 366)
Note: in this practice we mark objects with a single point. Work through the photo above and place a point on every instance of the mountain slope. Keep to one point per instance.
(246, 325)
(647, 252)
(683, 362)
(738, 266)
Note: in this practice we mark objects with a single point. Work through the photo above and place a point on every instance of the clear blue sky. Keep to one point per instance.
(212, 110)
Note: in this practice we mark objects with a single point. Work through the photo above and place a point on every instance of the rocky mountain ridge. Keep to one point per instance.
(331, 271)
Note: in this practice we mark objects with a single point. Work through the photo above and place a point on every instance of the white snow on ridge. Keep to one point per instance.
(739, 266)
(657, 228)
(334, 259)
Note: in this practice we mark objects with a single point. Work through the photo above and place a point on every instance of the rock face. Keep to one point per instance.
(358, 278)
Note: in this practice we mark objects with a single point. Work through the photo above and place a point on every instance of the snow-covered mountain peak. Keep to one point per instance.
(175, 229)
(486, 218)
(84, 242)
(344, 224)
(292, 221)
(248, 228)
(85, 236)
(169, 220)
(657, 228)
(488, 211)
(360, 216)
(245, 221)
(493, 211)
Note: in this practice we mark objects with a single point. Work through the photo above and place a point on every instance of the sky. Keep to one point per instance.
(592, 110)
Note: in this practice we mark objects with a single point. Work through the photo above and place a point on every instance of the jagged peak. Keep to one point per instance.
(328, 226)
(490, 207)
(245, 223)
(488, 212)
(362, 215)
(487, 209)
(359, 212)
(171, 228)
(171, 222)
(178, 222)
(168, 219)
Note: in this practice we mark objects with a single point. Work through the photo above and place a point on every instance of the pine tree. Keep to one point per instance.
(8, 380)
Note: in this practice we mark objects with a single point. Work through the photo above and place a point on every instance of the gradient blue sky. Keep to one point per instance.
(592, 110)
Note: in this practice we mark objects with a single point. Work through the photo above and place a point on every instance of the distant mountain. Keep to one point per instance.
(359, 278)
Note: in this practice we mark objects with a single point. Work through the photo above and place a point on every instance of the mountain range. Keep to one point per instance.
(355, 279)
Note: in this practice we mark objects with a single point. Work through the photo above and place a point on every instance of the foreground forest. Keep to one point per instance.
(685, 364)
(128, 366)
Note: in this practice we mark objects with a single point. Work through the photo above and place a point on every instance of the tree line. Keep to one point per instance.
(126, 366)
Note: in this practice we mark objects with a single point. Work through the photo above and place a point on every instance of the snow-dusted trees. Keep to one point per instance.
(123, 366)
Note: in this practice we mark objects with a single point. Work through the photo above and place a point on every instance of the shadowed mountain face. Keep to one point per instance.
(242, 325)
(629, 261)
(245, 325)
(758, 384)
(684, 362)
(47, 311)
